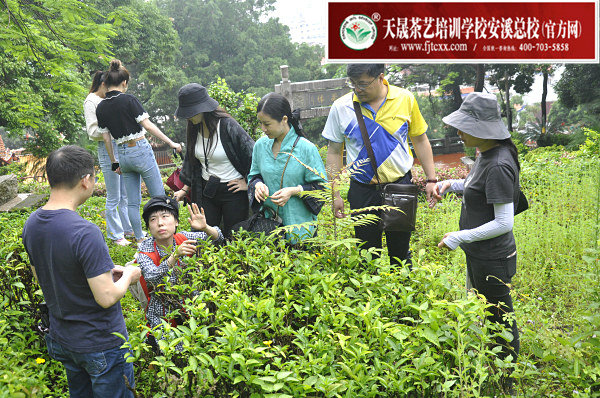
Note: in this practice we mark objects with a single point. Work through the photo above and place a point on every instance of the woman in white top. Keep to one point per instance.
(217, 161)
(117, 220)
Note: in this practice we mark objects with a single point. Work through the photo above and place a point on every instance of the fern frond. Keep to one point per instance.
(309, 168)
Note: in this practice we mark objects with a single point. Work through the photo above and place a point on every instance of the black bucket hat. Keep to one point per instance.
(479, 116)
(194, 99)
(160, 202)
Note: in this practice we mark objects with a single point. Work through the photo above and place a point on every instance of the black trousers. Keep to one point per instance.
(362, 195)
(490, 278)
(225, 206)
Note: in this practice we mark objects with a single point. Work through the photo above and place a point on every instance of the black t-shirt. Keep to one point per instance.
(67, 250)
(120, 114)
(494, 178)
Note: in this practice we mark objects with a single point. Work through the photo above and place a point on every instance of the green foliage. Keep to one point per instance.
(442, 173)
(27, 370)
(434, 108)
(313, 128)
(20, 374)
(591, 146)
(272, 320)
(233, 40)
(577, 87)
(241, 105)
(13, 168)
(45, 46)
(329, 320)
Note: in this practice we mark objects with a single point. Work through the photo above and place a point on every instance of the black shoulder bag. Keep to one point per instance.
(261, 221)
(401, 196)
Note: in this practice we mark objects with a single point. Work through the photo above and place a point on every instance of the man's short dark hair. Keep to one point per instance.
(65, 166)
(354, 71)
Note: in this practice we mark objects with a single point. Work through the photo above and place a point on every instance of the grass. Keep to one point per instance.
(555, 289)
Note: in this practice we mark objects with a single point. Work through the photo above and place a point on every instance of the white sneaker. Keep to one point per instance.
(142, 239)
(122, 242)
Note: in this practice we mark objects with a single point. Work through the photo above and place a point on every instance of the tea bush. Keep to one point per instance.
(272, 320)
(266, 320)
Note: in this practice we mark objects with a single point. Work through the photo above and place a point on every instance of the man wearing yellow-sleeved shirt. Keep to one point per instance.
(391, 116)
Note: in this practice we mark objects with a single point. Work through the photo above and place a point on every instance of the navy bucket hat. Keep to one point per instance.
(194, 99)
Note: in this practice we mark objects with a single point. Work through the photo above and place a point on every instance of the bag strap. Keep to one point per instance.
(285, 167)
(365, 136)
(287, 161)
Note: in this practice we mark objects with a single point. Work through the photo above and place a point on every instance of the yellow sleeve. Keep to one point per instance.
(417, 124)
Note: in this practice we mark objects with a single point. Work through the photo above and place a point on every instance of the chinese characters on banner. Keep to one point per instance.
(423, 32)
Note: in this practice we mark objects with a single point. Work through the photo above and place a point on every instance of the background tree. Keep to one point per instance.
(148, 45)
(234, 40)
(443, 87)
(578, 88)
(547, 70)
(518, 77)
(46, 45)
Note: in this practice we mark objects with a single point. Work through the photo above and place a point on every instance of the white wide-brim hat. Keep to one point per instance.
(479, 116)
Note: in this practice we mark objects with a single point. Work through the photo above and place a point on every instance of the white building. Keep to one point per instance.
(306, 20)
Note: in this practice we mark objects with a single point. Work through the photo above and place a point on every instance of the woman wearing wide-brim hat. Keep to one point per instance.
(218, 158)
(490, 197)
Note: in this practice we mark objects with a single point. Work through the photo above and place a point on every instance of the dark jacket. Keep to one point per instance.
(238, 147)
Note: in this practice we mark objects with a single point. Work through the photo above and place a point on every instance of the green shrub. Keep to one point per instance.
(242, 105)
(270, 320)
(325, 321)
(18, 169)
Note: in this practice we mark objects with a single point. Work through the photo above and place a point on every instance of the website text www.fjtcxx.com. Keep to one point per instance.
(429, 47)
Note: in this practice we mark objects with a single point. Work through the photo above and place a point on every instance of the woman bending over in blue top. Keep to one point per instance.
(269, 158)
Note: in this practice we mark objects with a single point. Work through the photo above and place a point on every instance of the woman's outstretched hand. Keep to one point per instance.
(197, 218)
(442, 245)
(438, 192)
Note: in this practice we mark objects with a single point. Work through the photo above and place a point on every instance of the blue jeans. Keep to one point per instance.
(117, 219)
(137, 163)
(95, 374)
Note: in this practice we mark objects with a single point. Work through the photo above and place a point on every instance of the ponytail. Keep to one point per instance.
(295, 122)
(97, 81)
(508, 143)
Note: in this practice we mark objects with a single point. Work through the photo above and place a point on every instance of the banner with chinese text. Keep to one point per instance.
(423, 32)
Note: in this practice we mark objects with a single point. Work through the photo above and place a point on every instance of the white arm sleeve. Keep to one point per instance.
(455, 186)
(501, 224)
(91, 122)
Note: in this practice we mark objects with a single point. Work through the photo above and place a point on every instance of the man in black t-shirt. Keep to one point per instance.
(81, 285)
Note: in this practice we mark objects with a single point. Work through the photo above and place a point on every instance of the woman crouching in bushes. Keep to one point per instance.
(160, 255)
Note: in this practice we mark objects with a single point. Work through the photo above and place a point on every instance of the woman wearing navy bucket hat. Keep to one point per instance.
(218, 158)
(490, 197)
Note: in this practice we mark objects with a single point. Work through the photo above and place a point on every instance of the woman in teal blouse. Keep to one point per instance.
(269, 157)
